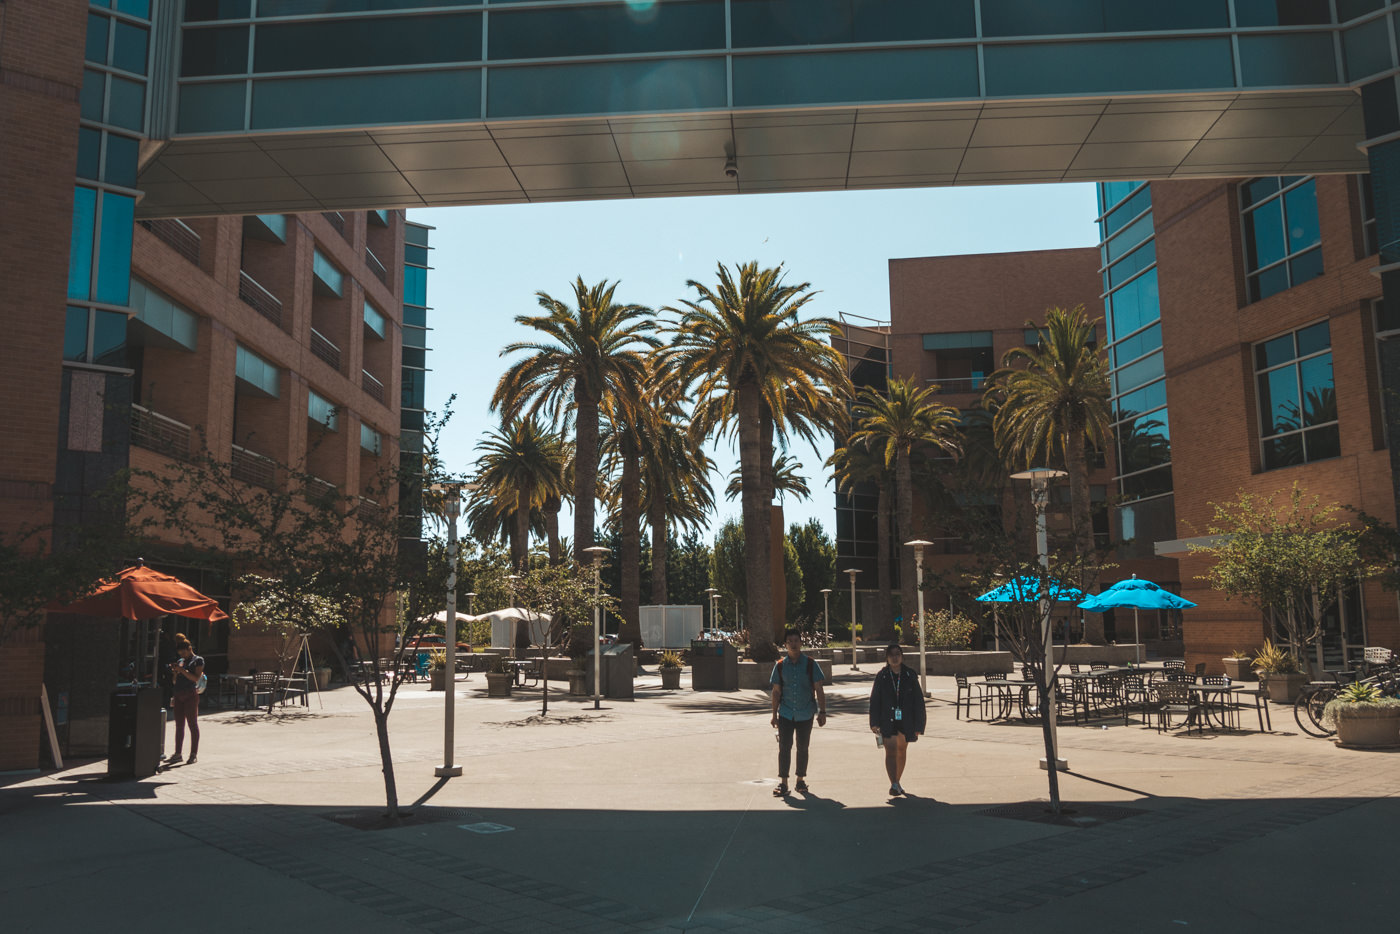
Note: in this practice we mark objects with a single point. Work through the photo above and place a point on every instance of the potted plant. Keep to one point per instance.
(670, 667)
(580, 642)
(1278, 671)
(437, 670)
(1239, 665)
(1363, 718)
(498, 678)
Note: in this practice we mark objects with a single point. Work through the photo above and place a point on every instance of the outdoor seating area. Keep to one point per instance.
(1160, 693)
(262, 689)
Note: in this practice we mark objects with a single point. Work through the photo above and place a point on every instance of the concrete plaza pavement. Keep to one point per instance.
(656, 814)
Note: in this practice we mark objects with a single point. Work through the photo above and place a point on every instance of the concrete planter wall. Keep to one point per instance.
(1239, 669)
(1369, 728)
(961, 662)
(1119, 654)
(1283, 689)
(755, 675)
(670, 679)
(498, 685)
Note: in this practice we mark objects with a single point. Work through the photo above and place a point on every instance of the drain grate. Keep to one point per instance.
(1077, 815)
(485, 827)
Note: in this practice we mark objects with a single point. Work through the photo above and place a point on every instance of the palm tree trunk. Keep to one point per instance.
(656, 518)
(585, 471)
(551, 526)
(759, 584)
(884, 606)
(520, 536)
(765, 471)
(904, 526)
(1077, 462)
(630, 543)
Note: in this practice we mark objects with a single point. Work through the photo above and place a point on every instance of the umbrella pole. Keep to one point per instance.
(996, 628)
(1137, 636)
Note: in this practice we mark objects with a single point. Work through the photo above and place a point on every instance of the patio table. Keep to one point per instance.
(1213, 701)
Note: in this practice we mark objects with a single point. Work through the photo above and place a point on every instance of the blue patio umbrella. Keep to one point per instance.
(1139, 594)
(1024, 590)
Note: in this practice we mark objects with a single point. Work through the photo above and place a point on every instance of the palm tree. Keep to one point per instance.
(1055, 405)
(786, 480)
(756, 368)
(855, 465)
(584, 355)
(894, 425)
(629, 417)
(675, 488)
(519, 465)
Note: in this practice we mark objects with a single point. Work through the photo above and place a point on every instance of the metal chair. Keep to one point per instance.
(265, 683)
(1226, 710)
(1200, 669)
(1171, 698)
(1261, 706)
(966, 690)
(1136, 694)
(1174, 664)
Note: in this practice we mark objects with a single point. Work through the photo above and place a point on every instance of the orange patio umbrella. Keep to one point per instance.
(141, 593)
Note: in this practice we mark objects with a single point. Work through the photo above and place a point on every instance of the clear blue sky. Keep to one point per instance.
(489, 262)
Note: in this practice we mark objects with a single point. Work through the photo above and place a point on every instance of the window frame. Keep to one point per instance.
(1252, 276)
(1295, 363)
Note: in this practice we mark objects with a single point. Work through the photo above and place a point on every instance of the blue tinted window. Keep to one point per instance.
(367, 43)
(414, 392)
(413, 357)
(1134, 305)
(1110, 193)
(348, 100)
(138, 8)
(114, 249)
(89, 153)
(1127, 210)
(1283, 12)
(416, 255)
(817, 77)
(415, 285)
(1264, 235)
(298, 7)
(1133, 263)
(96, 47)
(1146, 399)
(1280, 226)
(93, 94)
(1106, 67)
(1133, 347)
(80, 243)
(1063, 17)
(606, 30)
(207, 108)
(415, 316)
(121, 160)
(1256, 190)
(129, 48)
(415, 337)
(1129, 237)
(75, 335)
(127, 104)
(830, 22)
(608, 87)
(1366, 49)
(200, 10)
(214, 51)
(1290, 59)
(1128, 378)
(1350, 9)
(109, 338)
(1297, 398)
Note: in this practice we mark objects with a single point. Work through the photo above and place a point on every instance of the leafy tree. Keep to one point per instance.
(689, 571)
(1288, 559)
(676, 490)
(758, 370)
(561, 592)
(816, 561)
(1052, 408)
(894, 425)
(584, 355)
(728, 573)
(792, 577)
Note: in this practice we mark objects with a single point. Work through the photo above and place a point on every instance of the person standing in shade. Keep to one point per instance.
(897, 713)
(797, 698)
(185, 698)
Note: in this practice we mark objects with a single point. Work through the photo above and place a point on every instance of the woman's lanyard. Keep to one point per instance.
(898, 684)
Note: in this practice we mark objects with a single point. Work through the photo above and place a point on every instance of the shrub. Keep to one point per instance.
(580, 641)
(947, 627)
(669, 660)
(1275, 660)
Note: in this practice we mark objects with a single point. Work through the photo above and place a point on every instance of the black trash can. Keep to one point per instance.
(135, 733)
(714, 666)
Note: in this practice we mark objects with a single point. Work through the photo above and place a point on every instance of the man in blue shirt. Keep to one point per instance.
(797, 697)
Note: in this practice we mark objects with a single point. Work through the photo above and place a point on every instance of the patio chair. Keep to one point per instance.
(1136, 696)
(966, 691)
(1200, 669)
(1174, 698)
(1074, 669)
(1227, 710)
(1098, 666)
(1259, 698)
(264, 683)
(1174, 664)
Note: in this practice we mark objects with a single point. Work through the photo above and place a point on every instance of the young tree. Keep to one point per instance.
(1289, 559)
(558, 593)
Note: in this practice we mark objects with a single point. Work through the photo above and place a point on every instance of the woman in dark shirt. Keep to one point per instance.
(185, 697)
(896, 712)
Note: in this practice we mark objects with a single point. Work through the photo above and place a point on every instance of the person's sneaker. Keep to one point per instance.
(191, 761)
(801, 786)
(894, 792)
(898, 788)
(175, 758)
(781, 791)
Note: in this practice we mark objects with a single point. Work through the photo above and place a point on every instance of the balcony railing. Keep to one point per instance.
(159, 433)
(323, 348)
(177, 236)
(321, 492)
(259, 298)
(372, 386)
(957, 384)
(370, 511)
(252, 467)
(337, 220)
(376, 267)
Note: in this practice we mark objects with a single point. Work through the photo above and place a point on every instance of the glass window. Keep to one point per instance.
(415, 316)
(415, 285)
(1038, 18)
(1283, 12)
(1133, 347)
(221, 51)
(129, 48)
(81, 243)
(268, 8)
(1135, 374)
(1149, 397)
(1127, 210)
(75, 335)
(256, 372)
(1111, 193)
(1297, 398)
(1281, 234)
(413, 391)
(109, 338)
(1366, 49)
(415, 337)
(1288, 59)
(126, 106)
(1135, 304)
(201, 10)
(830, 22)
(1148, 483)
(606, 30)
(95, 49)
(415, 255)
(1144, 442)
(325, 272)
(415, 358)
(208, 108)
(121, 160)
(1133, 263)
(137, 8)
(93, 96)
(1350, 9)
(375, 321)
(825, 77)
(1127, 238)
(1106, 67)
(368, 43)
(370, 439)
(114, 249)
(608, 87)
(320, 410)
(349, 100)
(89, 153)
(1367, 202)
(411, 419)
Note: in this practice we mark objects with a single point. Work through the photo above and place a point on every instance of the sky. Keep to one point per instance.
(489, 261)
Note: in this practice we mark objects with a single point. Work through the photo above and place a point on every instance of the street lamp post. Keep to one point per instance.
(598, 553)
(712, 593)
(826, 613)
(855, 656)
(452, 499)
(919, 545)
(1040, 478)
(514, 622)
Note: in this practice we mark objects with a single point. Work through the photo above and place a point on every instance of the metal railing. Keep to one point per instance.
(376, 267)
(174, 234)
(259, 299)
(372, 386)
(323, 348)
(320, 491)
(159, 433)
(252, 467)
(957, 384)
(370, 511)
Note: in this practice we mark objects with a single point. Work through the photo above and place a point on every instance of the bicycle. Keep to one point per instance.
(1312, 699)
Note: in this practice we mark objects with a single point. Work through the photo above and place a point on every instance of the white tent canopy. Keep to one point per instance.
(505, 621)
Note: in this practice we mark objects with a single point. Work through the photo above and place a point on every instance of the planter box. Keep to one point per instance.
(437, 679)
(578, 682)
(754, 676)
(498, 685)
(1373, 730)
(670, 679)
(961, 662)
(1283, 689)
(1239, 669)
